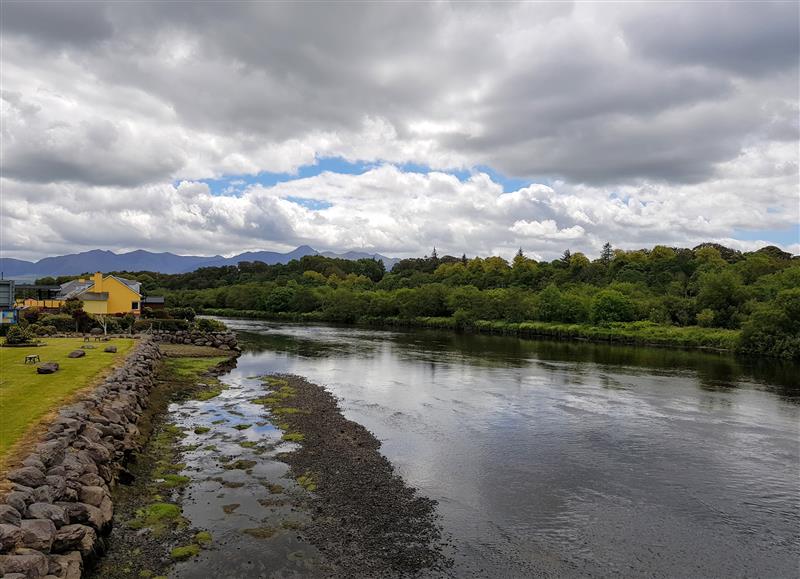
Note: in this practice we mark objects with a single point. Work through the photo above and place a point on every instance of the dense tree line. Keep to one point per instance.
(709, 286)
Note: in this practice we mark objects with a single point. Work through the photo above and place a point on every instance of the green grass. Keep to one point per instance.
(192, 368)
(26, 397)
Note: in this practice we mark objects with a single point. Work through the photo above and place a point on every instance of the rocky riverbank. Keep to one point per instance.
(56, 507)
(366, 520)
(57, 504)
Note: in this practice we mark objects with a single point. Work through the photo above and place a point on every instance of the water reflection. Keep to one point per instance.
(571, 459)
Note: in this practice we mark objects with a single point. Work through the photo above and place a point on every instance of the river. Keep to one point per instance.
(546, 458)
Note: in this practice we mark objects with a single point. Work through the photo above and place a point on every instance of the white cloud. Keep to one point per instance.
(644, 136)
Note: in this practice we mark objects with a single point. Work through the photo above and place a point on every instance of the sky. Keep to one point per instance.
(394, 127)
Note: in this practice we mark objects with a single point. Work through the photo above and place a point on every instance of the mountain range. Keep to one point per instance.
(141, 260)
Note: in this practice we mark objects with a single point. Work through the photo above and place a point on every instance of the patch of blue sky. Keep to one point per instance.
(236, 184)
(786, 236)
(308, 203)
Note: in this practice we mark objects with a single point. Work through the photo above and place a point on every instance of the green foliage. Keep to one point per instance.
(17, 335)
(774, 328)
(709, 285)
(208, 325)
(612, 306)
(157, 324)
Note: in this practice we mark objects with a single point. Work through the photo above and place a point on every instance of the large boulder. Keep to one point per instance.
(72, 537)
(38, 534)
(70, 565)
(50, 512)
(28, 476)
(10, 536)
(29, 562)
(76, 354)
(47, 368)
(10, 515)
(110, 349)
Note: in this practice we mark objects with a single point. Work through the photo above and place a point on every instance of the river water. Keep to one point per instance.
(546, 458)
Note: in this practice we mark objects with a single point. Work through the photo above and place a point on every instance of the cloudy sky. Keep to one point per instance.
(394, 127)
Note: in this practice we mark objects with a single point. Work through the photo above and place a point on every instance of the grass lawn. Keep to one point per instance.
(27, 397)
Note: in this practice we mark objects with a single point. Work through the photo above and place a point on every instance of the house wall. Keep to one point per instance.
(96, 307)
(120, 296)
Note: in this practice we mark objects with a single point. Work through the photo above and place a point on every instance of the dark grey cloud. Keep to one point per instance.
(547, 91)
(747, 38)
(57, 23)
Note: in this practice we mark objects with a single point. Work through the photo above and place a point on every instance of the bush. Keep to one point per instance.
(705, 318)
(19, 335)
(208, 325)
(62, 322)
(187, 314)
(156, 324)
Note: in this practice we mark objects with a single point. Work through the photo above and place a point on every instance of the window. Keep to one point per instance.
(134, 305)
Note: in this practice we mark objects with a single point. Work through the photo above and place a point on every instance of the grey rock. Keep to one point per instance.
(34, 461)
(10, 515)
(76, 354)
(87, 347)
(10, 536)
(70, 537)
(92, 495)
(28, 476)
(19, 500)
(71, 565)
(43, 494)
(30, 563)
(38, 534)
(110, 349)
(47, 368)
(50, 512)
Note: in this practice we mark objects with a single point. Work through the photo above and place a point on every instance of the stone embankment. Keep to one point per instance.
(222, 340)
(56, 507)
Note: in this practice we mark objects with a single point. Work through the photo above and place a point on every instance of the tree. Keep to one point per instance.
(74, 308)
(607, 254)
(722, 293)
(774, 328)
(612, 306)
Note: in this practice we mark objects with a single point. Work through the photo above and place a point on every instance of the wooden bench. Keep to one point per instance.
(32, 358)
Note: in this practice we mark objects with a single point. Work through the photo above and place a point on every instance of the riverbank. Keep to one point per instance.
(151, 533)
(365, 519)
(629, 333)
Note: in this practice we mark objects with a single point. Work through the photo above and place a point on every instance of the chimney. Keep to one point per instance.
(97, 278)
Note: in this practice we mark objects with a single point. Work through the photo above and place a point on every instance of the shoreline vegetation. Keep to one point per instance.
(624, 333)
(710, 297)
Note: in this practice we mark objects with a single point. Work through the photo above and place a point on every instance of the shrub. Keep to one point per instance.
(156, 324)
(705, 318)
(187, 314)
(62, 322)
(19, 335)
(208, 325)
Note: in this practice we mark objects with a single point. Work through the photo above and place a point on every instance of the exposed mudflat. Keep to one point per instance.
(365, 519)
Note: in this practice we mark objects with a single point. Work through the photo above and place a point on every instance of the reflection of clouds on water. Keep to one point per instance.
(570, 459)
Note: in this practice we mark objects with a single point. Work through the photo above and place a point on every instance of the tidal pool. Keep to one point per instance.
(547, 458)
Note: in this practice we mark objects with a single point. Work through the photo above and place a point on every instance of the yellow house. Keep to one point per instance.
(100, 295)
(104, 295)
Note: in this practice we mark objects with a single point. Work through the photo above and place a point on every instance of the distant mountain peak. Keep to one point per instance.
(163, 262)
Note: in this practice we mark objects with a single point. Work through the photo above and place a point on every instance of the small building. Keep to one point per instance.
(153, 302)
(9, 314)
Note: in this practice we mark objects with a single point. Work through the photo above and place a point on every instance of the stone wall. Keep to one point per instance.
(57, 506)
(223, 340)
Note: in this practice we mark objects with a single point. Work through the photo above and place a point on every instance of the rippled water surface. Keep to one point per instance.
(566, 459)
